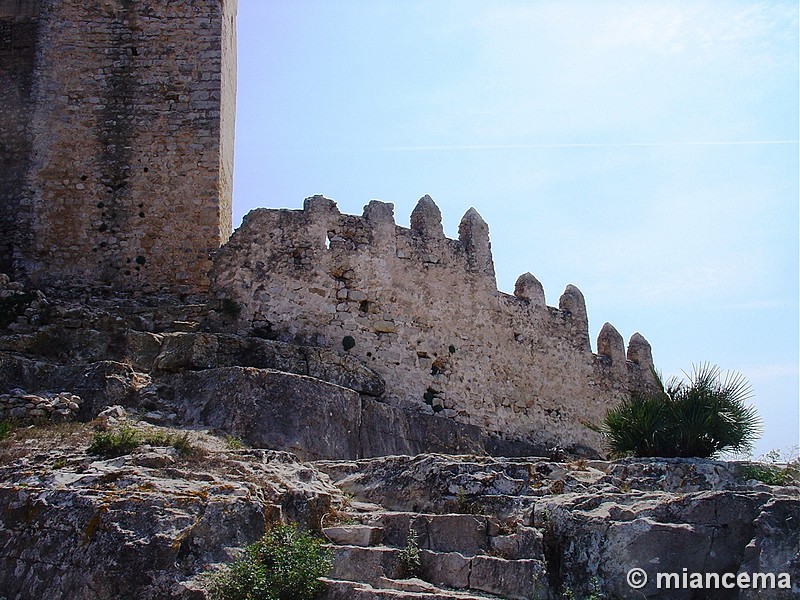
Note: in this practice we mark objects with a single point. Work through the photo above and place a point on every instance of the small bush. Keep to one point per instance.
(772, 474)
(699, 418)
(126, 439)
(6, 427)
(182, 444)
(410, 561)
(233, 443)
(110, 444)
(285, 564)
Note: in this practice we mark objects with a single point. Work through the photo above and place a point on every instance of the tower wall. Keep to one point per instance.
(18, 33)
(124, 164)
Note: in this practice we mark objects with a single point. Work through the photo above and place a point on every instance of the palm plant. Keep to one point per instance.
(700, 417)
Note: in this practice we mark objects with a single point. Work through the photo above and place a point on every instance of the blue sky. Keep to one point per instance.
(644, 151)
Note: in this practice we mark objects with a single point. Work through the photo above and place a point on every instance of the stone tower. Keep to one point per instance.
(116, 141)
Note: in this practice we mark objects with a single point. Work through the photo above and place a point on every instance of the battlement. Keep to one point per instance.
(424, 311)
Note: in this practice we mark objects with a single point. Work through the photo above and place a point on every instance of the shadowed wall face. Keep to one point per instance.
(126, 153)
(18, 26)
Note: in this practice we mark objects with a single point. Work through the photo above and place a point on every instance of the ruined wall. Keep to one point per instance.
(121, 130)
(424, 311)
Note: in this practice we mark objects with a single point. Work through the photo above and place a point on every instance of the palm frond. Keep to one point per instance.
(702, 416)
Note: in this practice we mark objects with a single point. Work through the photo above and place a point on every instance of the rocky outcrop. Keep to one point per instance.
(532, 528)
(144, 525)
(149, 523)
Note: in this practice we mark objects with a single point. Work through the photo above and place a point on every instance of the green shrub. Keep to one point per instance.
(410, 561)
(233, 443)
(285, 564)
(699, 418)
(113, 443)
(772, 474)
(6, 427)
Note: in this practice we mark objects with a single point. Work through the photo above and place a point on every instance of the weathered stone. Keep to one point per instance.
(140, 526)
(384, 327)
(775, 548)
(611, 344)
(426, 218)
(432, 323)
(473, 232)
(639, 351)
(529, 288)
(354, 535)
(110, 98)
(369, 565)
(270, 409)
(465, 534)
(198, 351)
(702, 532)
(573, 303)
(516, 580)
(387, 430)
(449, 569)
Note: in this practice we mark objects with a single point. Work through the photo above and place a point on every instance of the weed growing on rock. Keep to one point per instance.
(126, 439)
(285, 564)
(772, 474)
(410, 561)
(464, 506)
(113, 443)
(233, 443)
(595, 595)
(6, 427)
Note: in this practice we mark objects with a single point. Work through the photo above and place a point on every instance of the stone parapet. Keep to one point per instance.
(424, 312)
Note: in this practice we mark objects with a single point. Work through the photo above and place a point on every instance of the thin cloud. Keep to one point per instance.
(423, 148)
(769, 372)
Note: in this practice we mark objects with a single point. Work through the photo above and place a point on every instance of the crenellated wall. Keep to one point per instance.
(424, 311)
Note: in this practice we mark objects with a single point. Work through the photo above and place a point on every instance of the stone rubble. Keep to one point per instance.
(23, 408)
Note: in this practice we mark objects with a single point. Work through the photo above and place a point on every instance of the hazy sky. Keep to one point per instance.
(646, 152)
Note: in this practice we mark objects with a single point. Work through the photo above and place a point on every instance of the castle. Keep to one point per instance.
(116, 136)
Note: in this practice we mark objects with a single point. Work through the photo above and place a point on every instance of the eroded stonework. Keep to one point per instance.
(424, 311)
(116, 141)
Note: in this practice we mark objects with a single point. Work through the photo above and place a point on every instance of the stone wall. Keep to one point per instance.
(18, 27)
(118, 121)
(424, 311)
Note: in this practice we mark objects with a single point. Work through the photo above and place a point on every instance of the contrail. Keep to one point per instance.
(579, 145)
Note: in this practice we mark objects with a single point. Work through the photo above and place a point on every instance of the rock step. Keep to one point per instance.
(352, 590)
(512, 579)
(354, 535)
(500, 505)
(469, 535)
